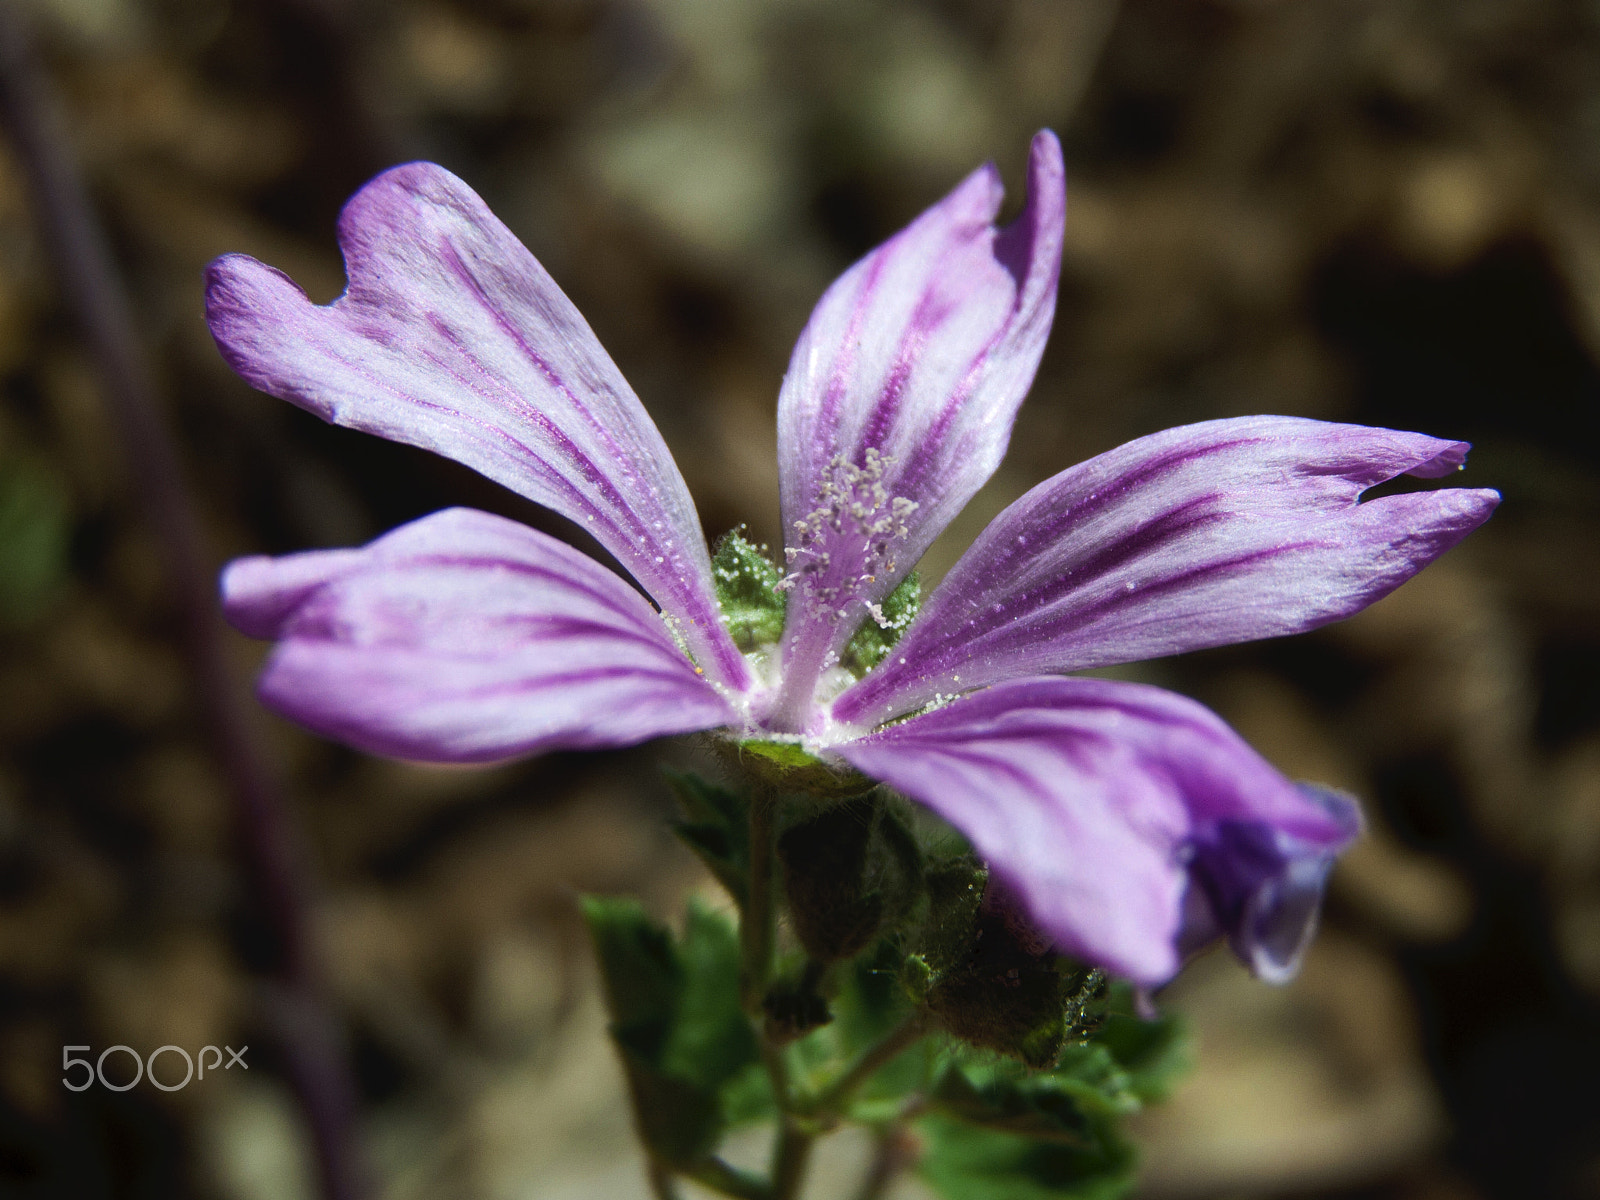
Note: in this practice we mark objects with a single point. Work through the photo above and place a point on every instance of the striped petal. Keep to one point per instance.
(900, 397)
(452, 337)
(1261, 888)
(1200, 536)
(1101, 805)
(464, 637)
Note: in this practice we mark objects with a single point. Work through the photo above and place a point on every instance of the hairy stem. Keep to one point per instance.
(896, 1150)
(662, 1186)
(759, 928)
(717, 1175)
(790, 1158)
(82, 260)
(758, 937)
(836, 1095)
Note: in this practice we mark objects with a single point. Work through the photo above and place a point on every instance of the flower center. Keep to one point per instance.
(848, 540)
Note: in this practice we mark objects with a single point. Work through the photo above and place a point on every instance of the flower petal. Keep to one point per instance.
(1094, 800)
(1200, 536)
(452, 337)
(465, 637)
(900, 397)
(1262, 887)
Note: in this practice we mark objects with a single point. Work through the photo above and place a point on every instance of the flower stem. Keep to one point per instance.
(717, 1175)
(759, 928)
(295, 996)
(896, 1150)
(661, 1185)
(790, 1158)
(836, 1095)
(758, 936)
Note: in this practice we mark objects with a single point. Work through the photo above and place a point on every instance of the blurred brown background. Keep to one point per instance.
(1384, 211)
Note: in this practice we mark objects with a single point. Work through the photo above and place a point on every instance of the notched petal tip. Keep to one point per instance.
(1030, 247)
(1451, 457)
(973, 203)
(389, 202)
(260, 595)
(450, 336)
(900, 397)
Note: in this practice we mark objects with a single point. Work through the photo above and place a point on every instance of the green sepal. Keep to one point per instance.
(790, 768)
(873, 640)
(954, 889)
(675, 1018)
(747, 583)
(850, 872)
(716, 827)
(1007, 991)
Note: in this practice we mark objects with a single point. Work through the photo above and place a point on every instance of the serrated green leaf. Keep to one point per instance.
(1041, 1108)
(1092, 1074)
(676, 1021)
(716, 828)
(1154, 1054)
(640, 970)
(968, 1162)
(711, 1039)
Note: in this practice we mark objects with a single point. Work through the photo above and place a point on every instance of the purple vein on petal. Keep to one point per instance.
(450, 336)
(899, 401)
(466, 637)
(1214, 533)
(1094, 799)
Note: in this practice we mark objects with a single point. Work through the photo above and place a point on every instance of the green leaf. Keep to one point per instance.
(747, 1097)
(711, 1040)
(640, 970)
(679, 1121)
(1069, 1114)
(1041, 1107)
(676, 1020)
(875, 638)
(747, 582)
(716, 827)
(967, 1162)
(1154, 1054)
(869, 1003)
(1092, 1073)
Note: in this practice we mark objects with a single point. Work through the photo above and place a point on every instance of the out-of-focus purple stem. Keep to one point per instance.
(295, 1006)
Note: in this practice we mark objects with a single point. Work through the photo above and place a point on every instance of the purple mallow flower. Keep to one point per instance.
(1132, 822)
